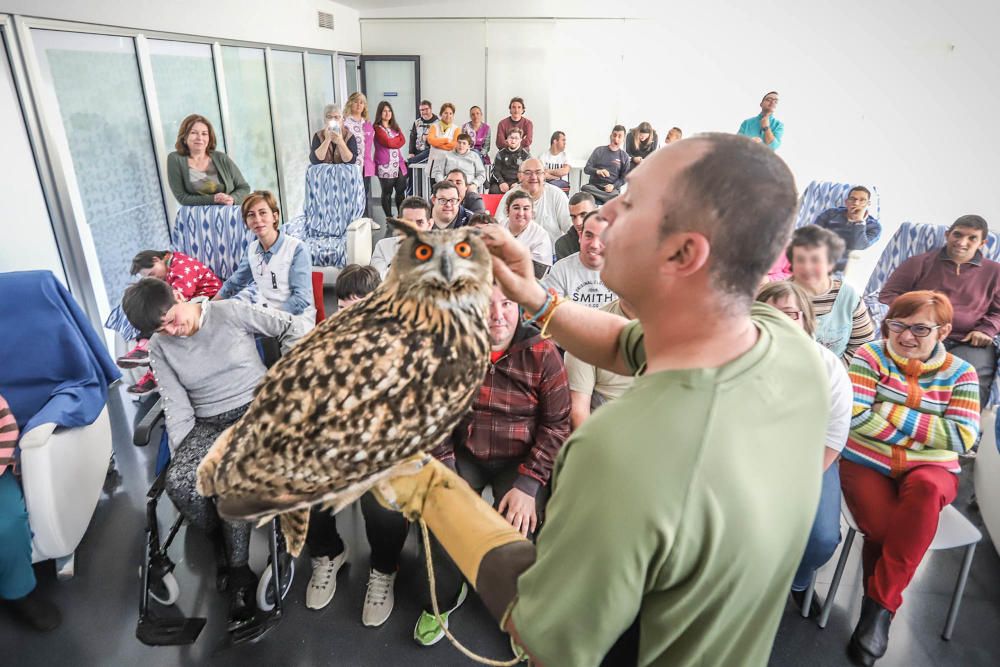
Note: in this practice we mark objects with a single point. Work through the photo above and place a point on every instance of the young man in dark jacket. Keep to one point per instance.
(507, 163)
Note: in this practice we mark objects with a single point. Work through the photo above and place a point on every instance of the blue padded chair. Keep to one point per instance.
(331, 224)
(214, 235)
(909, 240)
(822, 195)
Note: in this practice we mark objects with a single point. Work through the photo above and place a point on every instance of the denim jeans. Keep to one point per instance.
(17, 579)
(825, 534)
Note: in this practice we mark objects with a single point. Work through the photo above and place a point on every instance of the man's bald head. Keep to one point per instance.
(531, 176)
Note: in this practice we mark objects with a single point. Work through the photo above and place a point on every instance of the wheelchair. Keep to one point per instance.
(160, 586)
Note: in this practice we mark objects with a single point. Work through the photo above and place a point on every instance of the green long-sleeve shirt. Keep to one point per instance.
(229, 174)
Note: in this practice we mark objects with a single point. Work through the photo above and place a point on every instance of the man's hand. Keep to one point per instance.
(636, 160)
(519, 509)
(410, 156)
(608, 187)
(603, 172)
(504, 187)
(977, 339)
(512, 267)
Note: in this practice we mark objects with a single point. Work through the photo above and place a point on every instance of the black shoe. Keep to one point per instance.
(871, 635)
(815, 606)
(36, 611)
(242, 596)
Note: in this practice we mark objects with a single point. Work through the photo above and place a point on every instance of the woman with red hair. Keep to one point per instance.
(916, 408)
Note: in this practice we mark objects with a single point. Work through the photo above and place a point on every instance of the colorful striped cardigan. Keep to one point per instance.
(910, 413)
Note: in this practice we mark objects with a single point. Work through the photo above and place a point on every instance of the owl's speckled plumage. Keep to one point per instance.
(376, 383)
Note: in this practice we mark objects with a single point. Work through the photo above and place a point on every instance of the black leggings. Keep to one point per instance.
(388, 185)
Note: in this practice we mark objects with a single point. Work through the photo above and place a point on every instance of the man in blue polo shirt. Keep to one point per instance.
(852, 223)
(764, 127)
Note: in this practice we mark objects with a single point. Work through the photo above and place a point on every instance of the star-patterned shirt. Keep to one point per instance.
(191, 277)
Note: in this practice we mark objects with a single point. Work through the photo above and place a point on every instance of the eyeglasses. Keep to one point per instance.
(534, 172)
(918, 330)
(447, 202)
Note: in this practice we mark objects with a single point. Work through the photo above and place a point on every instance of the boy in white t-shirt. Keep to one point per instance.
(556, 164)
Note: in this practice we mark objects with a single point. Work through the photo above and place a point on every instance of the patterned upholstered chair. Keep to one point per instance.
(909, 240)
(821, 195)
(331, 223)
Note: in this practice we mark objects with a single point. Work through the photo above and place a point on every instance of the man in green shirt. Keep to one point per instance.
(680, 511)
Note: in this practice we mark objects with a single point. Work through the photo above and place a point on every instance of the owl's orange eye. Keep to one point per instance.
(423, 252)
(463, 249)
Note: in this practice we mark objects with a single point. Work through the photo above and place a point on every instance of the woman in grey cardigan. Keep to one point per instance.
(198, 174)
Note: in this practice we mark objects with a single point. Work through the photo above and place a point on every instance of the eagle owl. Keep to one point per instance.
(378, 382)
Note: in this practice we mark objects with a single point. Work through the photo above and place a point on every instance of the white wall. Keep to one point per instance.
(283, 22)
(901, 94)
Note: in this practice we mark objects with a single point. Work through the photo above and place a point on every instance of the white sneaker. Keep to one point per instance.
(379, 598)
(323, 582)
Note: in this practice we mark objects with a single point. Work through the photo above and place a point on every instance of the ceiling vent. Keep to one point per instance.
(325, 20)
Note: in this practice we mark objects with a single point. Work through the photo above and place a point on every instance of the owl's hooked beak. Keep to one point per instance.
(447, 267)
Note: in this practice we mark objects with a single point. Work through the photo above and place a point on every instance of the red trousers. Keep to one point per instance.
(898, 518)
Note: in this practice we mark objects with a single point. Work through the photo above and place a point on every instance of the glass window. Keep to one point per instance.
(292, 125)
(250, 116)
(319, 70)
(93, 83)
(184, 77)
(351, 75)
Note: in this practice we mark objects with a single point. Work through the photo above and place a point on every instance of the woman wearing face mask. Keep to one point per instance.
(824, 537)
(916, 408)
(842, 320)
(334, 144)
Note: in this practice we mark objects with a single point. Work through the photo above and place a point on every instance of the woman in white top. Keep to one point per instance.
(280, 264)
(793, 301)
(521, 223)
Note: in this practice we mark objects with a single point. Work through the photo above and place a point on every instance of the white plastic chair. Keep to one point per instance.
(62, 473)
(953, 531)
(985, 478)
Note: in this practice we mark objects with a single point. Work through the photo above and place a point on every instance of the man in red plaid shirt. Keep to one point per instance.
(189, 278)
(510, 440)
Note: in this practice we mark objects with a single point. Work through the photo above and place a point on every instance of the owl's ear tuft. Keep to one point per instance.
(403, 227)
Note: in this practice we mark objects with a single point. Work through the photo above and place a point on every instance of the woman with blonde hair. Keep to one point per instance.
(356, 120)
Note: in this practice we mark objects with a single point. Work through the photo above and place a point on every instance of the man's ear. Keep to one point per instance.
(686, 253)
(402, 226)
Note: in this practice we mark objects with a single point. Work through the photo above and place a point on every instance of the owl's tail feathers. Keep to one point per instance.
(294, 526)
(205, 483)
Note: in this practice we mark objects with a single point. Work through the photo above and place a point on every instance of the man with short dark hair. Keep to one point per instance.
(607, 167)
(447, 211)
(507, 163)
(972, 282)
(549, 202)
(764, 128)
(578, 277)
(414, 210)
(419, 148)
(658, 498)
(580, 205)
(555, 162)
(852, 223)
(471, 200)
(515, 120)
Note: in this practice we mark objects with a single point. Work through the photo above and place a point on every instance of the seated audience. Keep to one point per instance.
(516, 120)
(464, 159)
(18, 587)
(356, 120)
(509, 442)
(764, 127)
(824, 537)
(580, 205)
(642, 140)
(443, 135)
(447, 211)
(916, 408)
(279, 264)
(591, 387)
(555, 162)
(419, 148)
(205, 359)
(842, 320)
(472, 201)
(549, 202)
(390, 167)
(413, 209)
(578, 277)
(479, 133)
(675, 134)
(198, 174)
(852, 223)
(520, 215)
(334, 144)
(508, 163)
(607, 167)
(188, 277)
(961, 272)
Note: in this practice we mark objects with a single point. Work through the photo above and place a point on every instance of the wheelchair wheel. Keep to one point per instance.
(265, 592)
(163, 588)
